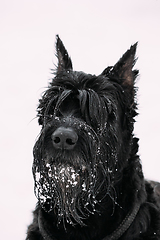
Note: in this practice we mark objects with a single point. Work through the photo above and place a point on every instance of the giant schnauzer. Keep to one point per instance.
(88, 176)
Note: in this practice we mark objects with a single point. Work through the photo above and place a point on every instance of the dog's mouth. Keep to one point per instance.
(66, 175)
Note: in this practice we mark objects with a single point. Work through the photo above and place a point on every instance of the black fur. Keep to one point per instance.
(87, 173)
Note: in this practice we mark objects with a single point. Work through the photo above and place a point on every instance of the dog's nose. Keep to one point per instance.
(64, 138)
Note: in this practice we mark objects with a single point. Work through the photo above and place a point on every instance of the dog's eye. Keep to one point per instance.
(49, 115)
(70, 106)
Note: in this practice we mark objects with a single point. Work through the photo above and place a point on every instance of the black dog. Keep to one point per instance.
(88, 176)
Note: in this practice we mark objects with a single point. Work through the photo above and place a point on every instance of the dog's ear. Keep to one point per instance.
(122, 70)
(64, 61)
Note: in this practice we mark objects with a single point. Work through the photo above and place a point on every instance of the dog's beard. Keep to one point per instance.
(72, 193)
(67, 190)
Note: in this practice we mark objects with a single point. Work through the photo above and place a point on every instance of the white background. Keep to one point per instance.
(96, 34)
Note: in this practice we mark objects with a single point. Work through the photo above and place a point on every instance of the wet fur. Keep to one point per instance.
(85, 193)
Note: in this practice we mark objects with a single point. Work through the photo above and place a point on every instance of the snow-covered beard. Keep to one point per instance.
(70, 192)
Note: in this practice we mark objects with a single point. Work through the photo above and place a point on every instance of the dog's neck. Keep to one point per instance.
(115, 235)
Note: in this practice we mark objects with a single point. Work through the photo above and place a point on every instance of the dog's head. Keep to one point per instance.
(86, 137)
